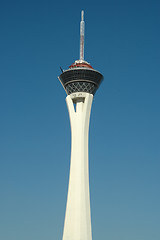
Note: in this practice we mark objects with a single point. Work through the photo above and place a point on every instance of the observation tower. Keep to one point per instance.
(80, 82)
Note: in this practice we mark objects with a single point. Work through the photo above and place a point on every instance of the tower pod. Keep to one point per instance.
(80, 78)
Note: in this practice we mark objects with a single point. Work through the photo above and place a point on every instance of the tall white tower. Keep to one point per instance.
(80, 82)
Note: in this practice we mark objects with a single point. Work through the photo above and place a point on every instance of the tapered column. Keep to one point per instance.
(77, 225)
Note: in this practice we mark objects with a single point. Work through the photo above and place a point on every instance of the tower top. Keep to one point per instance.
(82, 15)
(81, 77)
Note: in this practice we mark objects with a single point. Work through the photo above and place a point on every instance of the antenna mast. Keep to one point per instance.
(82, 25)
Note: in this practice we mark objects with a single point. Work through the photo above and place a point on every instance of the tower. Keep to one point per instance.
(80, 82)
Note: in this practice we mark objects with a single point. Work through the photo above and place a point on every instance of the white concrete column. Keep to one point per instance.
(77, 225)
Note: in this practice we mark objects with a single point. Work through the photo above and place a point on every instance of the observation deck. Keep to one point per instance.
(80, 77)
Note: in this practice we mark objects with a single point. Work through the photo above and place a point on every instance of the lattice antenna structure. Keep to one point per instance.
(82, 28)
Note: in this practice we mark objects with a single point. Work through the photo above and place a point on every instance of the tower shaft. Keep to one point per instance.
(77, 224)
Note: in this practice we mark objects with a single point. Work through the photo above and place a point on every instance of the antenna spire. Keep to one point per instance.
(82, 25)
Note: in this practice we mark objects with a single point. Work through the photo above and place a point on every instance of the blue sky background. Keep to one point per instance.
(122, 42)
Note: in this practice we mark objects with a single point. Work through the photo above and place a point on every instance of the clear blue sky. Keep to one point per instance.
(123, 43)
